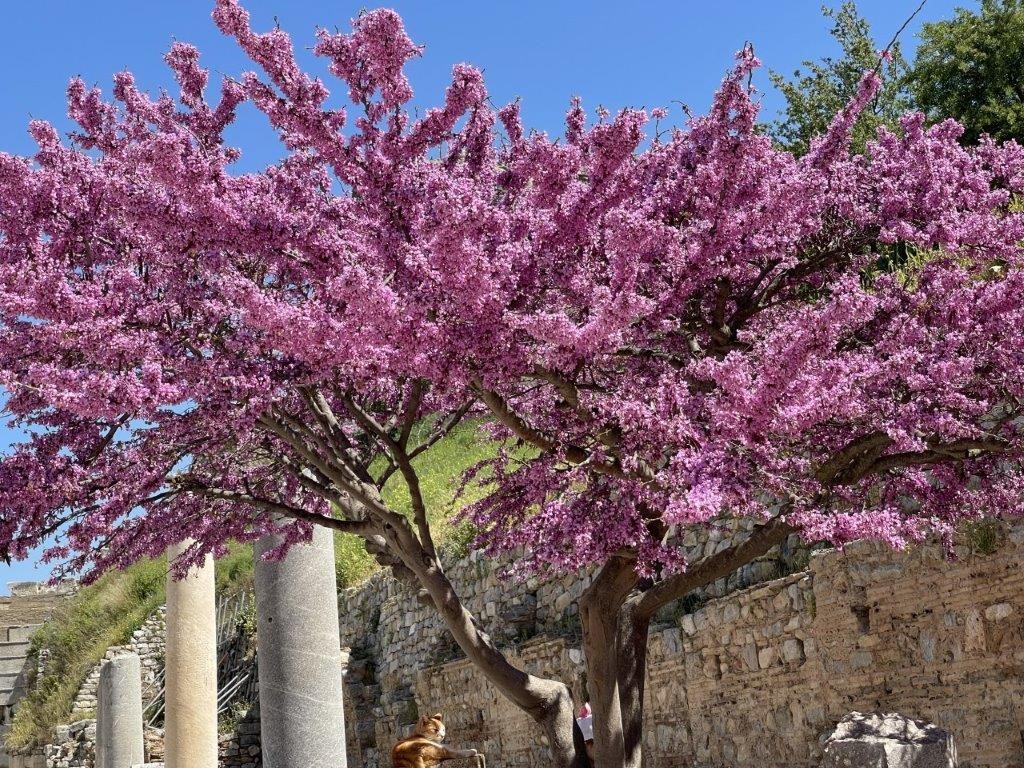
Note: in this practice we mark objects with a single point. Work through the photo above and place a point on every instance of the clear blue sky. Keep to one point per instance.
(545, 51)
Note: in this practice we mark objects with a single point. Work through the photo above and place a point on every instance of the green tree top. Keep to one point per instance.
(822, 88)
(970, 67)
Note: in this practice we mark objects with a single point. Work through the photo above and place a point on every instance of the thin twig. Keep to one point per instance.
(899, 32)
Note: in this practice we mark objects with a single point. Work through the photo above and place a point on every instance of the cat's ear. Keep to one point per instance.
(424, 719)
(437, 716)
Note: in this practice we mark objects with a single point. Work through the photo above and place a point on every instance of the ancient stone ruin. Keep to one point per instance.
(758, 677)
(888, 740)
(119, 740)
(760, 674)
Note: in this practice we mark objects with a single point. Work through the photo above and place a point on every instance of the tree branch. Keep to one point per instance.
(401, 459)
(412, 408)
(573, 454)
(866, 456)
(338, 441)
(357, 527)
(446, 425)
(106, 440)
(368, 497)
(714, 567)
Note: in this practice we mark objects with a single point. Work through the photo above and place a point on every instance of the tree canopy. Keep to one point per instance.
(696, 326)
(969, 68)
(690, 326)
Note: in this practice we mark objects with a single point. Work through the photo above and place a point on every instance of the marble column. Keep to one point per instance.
(190, 687)
(302, 718)
(119, 713)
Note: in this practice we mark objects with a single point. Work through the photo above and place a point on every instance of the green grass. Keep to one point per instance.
(234, 571)
(440, 471)
(77, 636)
(985, 536)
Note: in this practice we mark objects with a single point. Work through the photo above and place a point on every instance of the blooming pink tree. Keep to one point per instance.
(697, 327)
(709, 328)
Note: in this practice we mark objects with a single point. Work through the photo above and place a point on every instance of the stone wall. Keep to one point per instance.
(755, 678)
(148, 642)
(74, 745)
(241, 748)
(391, 635)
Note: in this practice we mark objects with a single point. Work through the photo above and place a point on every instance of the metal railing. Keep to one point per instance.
(236, 661)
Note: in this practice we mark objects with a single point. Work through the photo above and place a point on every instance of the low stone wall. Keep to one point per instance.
(74, 745)
(241, 749)
(755, 678)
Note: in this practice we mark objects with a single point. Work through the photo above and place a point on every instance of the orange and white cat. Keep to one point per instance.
(424, 748)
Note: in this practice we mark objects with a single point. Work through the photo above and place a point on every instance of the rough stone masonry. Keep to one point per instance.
(755, 678)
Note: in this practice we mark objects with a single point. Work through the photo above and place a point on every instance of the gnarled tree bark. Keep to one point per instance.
(616, 612)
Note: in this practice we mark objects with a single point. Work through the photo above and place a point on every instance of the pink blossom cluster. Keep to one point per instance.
(698, 326)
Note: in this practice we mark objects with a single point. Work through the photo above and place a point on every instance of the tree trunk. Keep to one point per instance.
(608, 646)
(616, 617)
(631, 655)
(548, 702)
(616, 649)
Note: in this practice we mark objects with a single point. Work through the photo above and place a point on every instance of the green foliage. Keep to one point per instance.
(351, 561)
(901, 260)
(816, 93)
(985, 536)
(969, 68)
(76, 637)
(247, 624)
(440, 470)
(234, 571)
(458, 541)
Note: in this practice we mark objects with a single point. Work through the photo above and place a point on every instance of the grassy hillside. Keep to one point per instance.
(107, 612)
(440, 471)
(77, 636)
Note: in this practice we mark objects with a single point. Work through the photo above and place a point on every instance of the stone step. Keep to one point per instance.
(17, 649)
(11, 697)
(13, 665)
(17, 615)
(10, 681)
(20, 633)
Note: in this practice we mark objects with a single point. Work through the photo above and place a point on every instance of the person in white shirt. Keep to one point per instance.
(585, 720)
